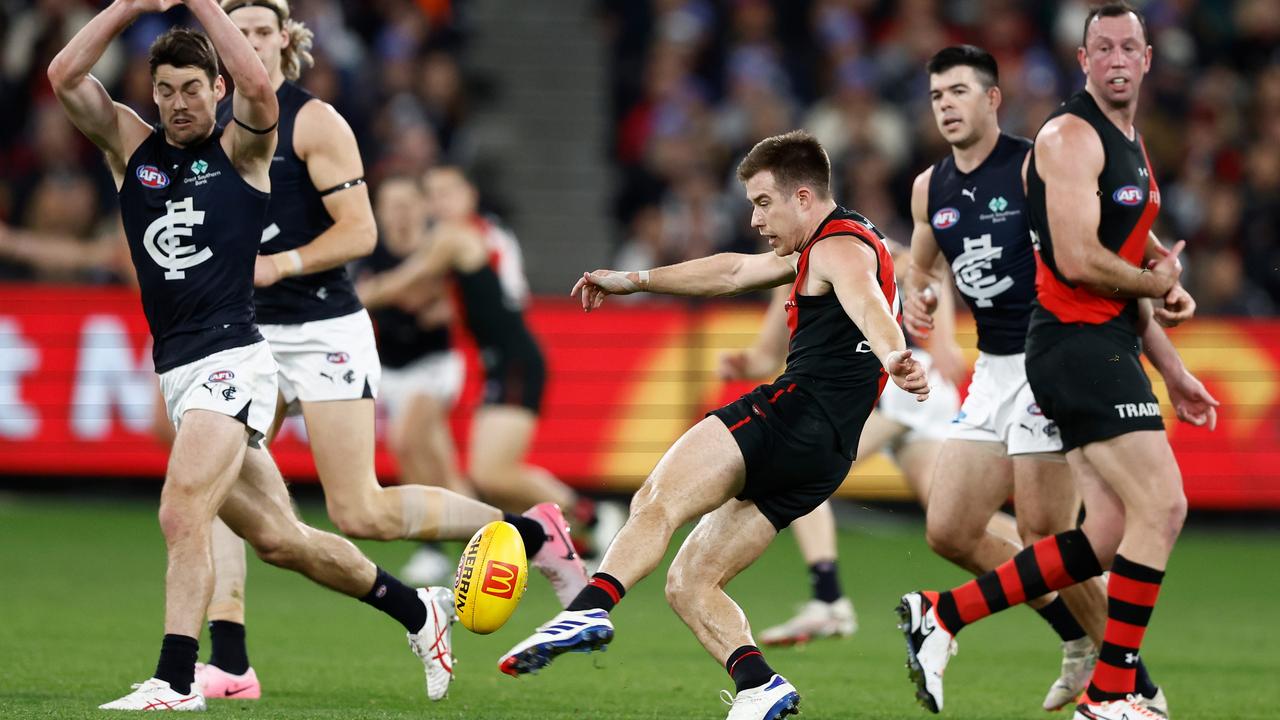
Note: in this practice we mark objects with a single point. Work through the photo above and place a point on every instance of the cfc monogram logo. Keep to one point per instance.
(164, 237)
(500, 579)
(973, 270)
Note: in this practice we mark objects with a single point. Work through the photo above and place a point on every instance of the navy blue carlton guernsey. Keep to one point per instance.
(295, 217)
(192, 224)
(980, 221)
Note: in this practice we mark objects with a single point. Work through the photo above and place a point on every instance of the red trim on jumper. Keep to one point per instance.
(884, 265)
(778, 394)
(1079, 305)
(1132, 591)
(607, 587)
(745, 655)
(740, 423)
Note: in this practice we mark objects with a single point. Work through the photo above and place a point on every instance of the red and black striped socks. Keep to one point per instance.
(602, 592)
(1051, 564)
(1131, 596)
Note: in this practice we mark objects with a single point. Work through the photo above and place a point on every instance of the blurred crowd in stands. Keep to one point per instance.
(697, 83)
(694, 84)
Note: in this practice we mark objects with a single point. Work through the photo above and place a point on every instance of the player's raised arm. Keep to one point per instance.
(254, 106)
(850, 266)
(324, 141)
(713, 276)
(114, 128)
(1069, 157)
(920, 296)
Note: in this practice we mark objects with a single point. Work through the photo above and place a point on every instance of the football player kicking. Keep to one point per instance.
(193, 197)
(910, 433)
(752, 467)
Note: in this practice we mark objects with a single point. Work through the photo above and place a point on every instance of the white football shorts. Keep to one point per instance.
(333, 359)
(239, 382)
(1001, 408)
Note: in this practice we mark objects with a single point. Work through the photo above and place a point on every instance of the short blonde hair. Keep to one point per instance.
(297, 54)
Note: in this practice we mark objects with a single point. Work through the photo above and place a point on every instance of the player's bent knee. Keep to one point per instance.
(1034, 528)
(178, 521)
(949, 544)
(642, 498)
(363, 520)
(1174, 515)
(683, 587)
(276, 548)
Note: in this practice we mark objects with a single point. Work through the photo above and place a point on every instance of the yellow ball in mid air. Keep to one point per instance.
(491, 578)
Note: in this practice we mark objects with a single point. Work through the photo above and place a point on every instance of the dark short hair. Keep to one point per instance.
(184, 47)
(983, 64)
(795, 158)
(1113, 9)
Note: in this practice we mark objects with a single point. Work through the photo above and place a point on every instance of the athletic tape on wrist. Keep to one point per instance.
(295, 258)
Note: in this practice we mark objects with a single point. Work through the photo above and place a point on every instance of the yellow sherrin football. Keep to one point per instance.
(491, 578)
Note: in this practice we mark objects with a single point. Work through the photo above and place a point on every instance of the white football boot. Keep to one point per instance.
(557, 559)
(433, 644)
(570, 631)
(1128, 708)
(929, 647)
(155, 694)
(1078, 658)
(1157, 703)
(775, 699)
(816, 619)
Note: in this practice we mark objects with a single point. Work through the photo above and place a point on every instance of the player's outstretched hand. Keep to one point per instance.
(1192, 401)
(594, 287)
(917, 311)
(908, 374)
(1178, 308)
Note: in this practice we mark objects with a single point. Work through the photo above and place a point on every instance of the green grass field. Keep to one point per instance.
(80, 619)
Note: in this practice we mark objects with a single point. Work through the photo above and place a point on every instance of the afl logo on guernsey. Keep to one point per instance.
(152, 176)
(338, 358)
(221, 376)
(945, 218)
(1128, 195)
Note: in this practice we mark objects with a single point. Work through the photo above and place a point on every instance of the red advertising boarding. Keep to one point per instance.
(78, 396)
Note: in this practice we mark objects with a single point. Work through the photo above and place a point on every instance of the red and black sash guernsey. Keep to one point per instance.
(828, 354)
(1129, 201)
